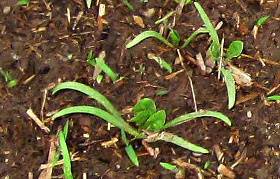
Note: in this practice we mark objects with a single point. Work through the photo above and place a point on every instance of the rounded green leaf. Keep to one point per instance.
(235, 49)
(156, 121)
(145, 104)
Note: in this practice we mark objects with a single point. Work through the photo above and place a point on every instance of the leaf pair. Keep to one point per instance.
(147, 117)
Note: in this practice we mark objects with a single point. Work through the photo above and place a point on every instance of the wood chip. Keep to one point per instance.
(219, 153)
(226, 171)
(33, 116)
(109, 143)
(139, 21)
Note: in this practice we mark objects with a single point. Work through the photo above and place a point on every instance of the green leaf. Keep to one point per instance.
(147, 34)
(156, 121)
(121, 124)
(124, 138)
(209, 26)
(262, 20)
(12, 83)
(230, 84)
(191, 116)
(141, 117)
(165, 17)
(145, 104)
(174, 37)
(235, 49)
(168, 166)
(23, 2)
(274, 98)
(88, 2)
(174, 139)
(162, 92)
(207, 165)
(94, 94)
(106, 69)
(162, 63)
(132, 155)
(66, 129)
(199, 31)
(66, 157)
(186, 1)
(91, 58)
(128, 4)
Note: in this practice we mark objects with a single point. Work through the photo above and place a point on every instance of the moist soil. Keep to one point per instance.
(41, 48)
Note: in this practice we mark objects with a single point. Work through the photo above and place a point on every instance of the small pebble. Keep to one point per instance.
(7, 10)
(249, 114)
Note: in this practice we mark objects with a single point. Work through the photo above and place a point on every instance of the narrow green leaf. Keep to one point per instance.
(128, 5)
(186, 1)
(199, 31)
(66, 157)
(230, 84)
(191, 116)
(124, 138)
(168, 166)
(162, 63)
(174, 139)
(145, 104)
(132, 155)
(162, 92)
(94, 94)
(147, 34)
(207, 165)
(156, 121)
(235, 49)
(66, 129)
(106, 69)
(209, 26)
(174, 37)
(262, 20)
(121, 124)
(274, 98)
(165, 17)
(91, 59)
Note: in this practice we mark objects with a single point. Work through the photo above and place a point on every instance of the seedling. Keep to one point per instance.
(9, 79)
(169, 166)
(274, 98)
(146, 116)
(23, 2)
(64, 152)
(262, 20)
(162, 63)
(100, 63)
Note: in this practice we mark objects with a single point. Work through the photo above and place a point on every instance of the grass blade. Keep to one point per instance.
(101, 114)
(194, 115)
(174, 139)
(132, 155)
(147, 34)
(94, 94)
(168, 166)
(162, 63)
(209, 26)
(66, 129)
(274, 98)
(128, 5)
(194, 35)
(66, 156)
(165, 17)
(230, 84)
(106, 69)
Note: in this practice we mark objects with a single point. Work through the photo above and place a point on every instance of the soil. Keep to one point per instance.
(35, 45)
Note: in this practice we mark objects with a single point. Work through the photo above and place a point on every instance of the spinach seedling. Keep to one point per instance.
(9, 79)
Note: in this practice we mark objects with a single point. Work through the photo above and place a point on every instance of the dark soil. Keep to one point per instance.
(36, 40)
